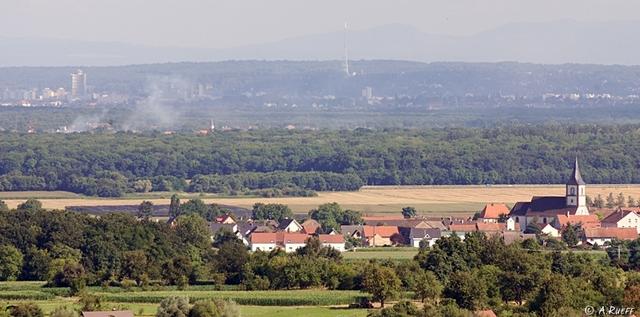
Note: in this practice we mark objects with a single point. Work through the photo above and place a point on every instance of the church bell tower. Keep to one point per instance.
(576, 195)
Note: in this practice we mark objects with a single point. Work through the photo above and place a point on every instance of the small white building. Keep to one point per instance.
(263, 241)
(335, 241)
(429, 235)
(293, 241)
(600, 236)
(290, 225)
(550, 230)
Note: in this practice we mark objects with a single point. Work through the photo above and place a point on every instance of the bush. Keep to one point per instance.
(205, 308)
(173, 307)
(63, 312)
(25, 310)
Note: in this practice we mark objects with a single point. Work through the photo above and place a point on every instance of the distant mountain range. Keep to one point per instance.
(546, 43)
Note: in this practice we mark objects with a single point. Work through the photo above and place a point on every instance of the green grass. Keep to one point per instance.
(38, 195)
(381, 253)
(257, 298)
(259, 311)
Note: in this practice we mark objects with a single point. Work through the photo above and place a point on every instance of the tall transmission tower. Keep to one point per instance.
(346, 50)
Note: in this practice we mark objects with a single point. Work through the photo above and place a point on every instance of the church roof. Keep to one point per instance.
(576, 178)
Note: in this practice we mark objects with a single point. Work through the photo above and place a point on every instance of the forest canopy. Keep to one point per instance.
(297, 162)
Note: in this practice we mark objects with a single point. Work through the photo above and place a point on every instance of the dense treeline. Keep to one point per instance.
(451, 279)
(113, 164)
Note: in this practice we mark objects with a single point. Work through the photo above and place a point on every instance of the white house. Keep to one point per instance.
(335, 241)
(600, 236)
(622, 219)
(292, 241)
(549, 230)
(290, 225)
(429, 235)
(263, 241)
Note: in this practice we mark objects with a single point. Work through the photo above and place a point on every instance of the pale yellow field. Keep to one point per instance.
(379, 199)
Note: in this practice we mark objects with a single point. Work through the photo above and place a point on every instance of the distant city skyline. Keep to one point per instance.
(226, 24)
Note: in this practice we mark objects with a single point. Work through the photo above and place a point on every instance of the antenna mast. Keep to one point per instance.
(346, 50)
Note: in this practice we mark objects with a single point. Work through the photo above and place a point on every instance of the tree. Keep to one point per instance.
(193, 230)
(90, 302)
(467, 290)
(142, 186)
(3, 206)
(381, 282)
(427, 286)
(620, 201)
(631, 202)
(553, 295)
(231, 257)
(73, 276)
(408, 212)
(173, 307)
(11, 260)
(134, 265)
(174, 206)
(277, 212)
(145, 210)
(25, 310)
(204, 308)
(598, 202)
(611, 202)
(571, 235)
(31, 205)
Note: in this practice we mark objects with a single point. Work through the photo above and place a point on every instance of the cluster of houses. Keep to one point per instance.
(551, 214)
(267, 235)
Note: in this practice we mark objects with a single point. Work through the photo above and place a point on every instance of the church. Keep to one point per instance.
(544, 210)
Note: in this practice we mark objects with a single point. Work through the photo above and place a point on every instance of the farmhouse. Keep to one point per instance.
(622, 219)
(492, 212)
(545, 209)
(335, 241)
(600, 236)
(428, 235)
(378, 236)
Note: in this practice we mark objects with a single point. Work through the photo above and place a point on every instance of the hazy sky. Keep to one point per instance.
(217, 24)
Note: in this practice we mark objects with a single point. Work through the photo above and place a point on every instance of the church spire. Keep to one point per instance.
(576, 178)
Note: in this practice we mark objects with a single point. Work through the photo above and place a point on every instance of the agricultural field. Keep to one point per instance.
(432, 200)
(313, 303)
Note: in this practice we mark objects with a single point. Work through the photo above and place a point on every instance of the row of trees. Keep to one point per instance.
(610, 201)
(112, 164)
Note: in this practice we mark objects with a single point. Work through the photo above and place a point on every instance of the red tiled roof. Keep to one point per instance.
(331, 238)
(383, 231)
(484, 313)
(310, 226)
(465, 227)
(264, 237)
(484, 227)
(493, 211)
(587, 221)
(618, 233)
(294, 237)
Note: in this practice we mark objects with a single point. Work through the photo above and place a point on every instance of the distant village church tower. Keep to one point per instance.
(576, 191)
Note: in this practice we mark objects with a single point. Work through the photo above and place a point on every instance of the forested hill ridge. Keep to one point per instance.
(297, 162)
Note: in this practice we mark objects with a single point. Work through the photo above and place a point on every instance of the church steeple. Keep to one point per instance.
(576, 178)
(576, 191)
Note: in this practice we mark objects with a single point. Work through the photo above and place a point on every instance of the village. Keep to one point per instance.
(547, 216)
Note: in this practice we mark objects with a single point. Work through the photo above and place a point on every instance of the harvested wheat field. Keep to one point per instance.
(372, 199)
